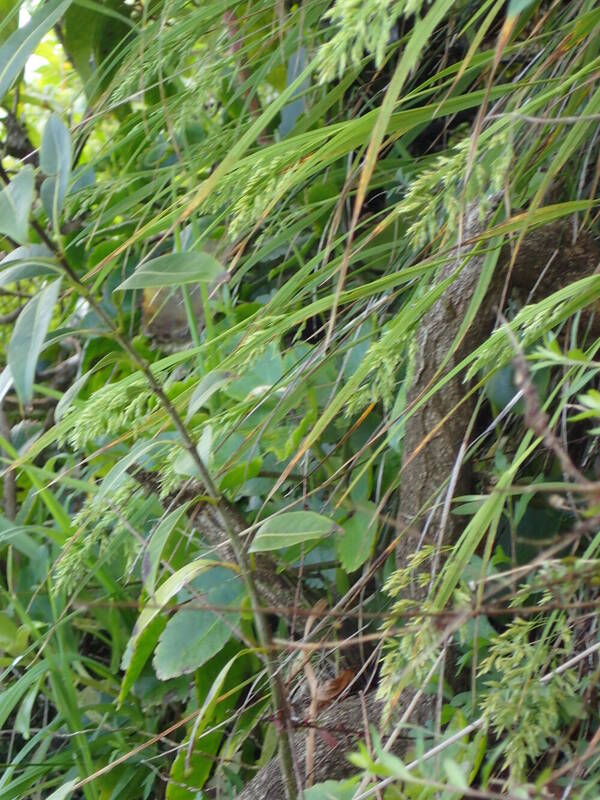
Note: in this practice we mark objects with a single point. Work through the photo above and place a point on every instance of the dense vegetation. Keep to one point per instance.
(298, 406)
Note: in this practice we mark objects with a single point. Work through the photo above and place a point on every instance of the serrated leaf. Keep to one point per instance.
(174, 269)
(27, 339)
(15, 204)
(290, 528)
(21, 44)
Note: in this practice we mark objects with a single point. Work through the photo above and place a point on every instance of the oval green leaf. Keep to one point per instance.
(194, 635)
(290, 528)
(356, 544)
(150, 624)
(174, 269)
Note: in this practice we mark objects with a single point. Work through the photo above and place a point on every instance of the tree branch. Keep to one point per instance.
(226, 513)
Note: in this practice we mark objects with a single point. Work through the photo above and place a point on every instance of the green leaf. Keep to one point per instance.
(27, 262)
(194, 763)
(291, 112)
(21, 44)
(55, 161)
(193, 636)
(174, 269)
(291, 528)
(118, 472)
(10, 696)
(262, 373)
(184, 464)
(65, 401)
(210, 384)
(515, 7)
(15, 204)
(138, 651)
(23, 719)
(237, 476)
(80, 30)
(205, 715)
(8, 632)
(356, 543)
(9, 18)
(63, 791)
(156, 545)
(55, 156)
(148, 628)
(332, 790)
(454, 773)
(6, 382)
(28, 338)
(500, 388)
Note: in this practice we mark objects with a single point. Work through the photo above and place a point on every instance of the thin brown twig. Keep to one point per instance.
(537, 420)
(11, 316)
(227, 514)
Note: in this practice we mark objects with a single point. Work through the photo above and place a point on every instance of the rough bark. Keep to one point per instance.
(345, 722)
(276, 590)
(548, 252)
(279, 594)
